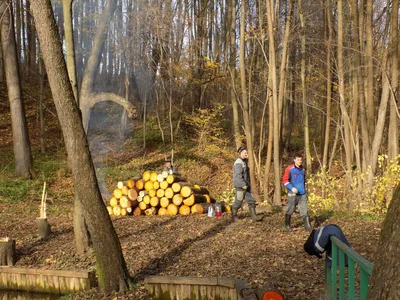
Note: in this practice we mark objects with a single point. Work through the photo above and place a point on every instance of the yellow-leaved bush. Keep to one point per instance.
(324, 192)
(352, 191)
(227, 196)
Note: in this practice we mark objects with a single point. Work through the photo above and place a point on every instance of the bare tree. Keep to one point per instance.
(328, 21)
(82, 236)
(303, 86)
(245, 103)
(232, 67)
(22, 149)
(69, 42)
(369, 78)
(111, 267)
(88, 97)
(394, 54)
(274, 91)
(340, 72)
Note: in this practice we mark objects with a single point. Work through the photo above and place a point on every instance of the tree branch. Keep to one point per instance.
(100, 97)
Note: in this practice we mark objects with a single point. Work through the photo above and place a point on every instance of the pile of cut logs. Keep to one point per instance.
(158, 194)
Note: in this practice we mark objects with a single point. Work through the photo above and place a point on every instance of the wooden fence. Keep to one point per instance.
(196, 288)
(46, 281)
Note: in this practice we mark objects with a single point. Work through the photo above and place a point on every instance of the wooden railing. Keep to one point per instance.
(357, 273)
(197, 288)
(46, 281)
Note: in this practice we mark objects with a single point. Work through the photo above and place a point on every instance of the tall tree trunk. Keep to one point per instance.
(2, 75)
(355, 75)
(328, 31)
(393, 144)
(22, 149)
(111, 267)
(345, 115)
(245, 101)
(303, 86)
(24, 42)
(81, 233)
(81, 230)
(369, 84)
(385, 282)
(274, 91)
(380, 123)
(269, 145)
(18, 18)
(359, 91)
(80, 34)
(31, 36)
(42, 75)
(69, 42)
(284, 57)
(232, 66)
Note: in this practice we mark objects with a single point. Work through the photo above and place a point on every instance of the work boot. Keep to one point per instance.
(287, 222)
(234, 214)
(307, 225)
(254, 217)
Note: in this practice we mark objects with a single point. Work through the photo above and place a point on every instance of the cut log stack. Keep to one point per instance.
(124, 199)
(158, 194)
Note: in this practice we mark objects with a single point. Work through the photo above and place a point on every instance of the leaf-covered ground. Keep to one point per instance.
(261, 253)
(195, 245)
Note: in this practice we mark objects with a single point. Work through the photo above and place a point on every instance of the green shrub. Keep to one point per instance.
(152, 135)
(13, 190)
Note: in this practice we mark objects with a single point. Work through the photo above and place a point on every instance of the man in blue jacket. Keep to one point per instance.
(319, 242)
(241, 183)
(294, 181)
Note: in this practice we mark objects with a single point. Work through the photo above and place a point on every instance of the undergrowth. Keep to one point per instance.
(353, 192)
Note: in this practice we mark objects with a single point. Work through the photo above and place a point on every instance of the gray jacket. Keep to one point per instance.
(241, 174)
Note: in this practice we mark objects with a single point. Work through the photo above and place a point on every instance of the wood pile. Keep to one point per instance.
(158, 194)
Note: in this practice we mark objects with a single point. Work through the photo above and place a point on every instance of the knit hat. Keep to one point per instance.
(309, 246)
(241, 148)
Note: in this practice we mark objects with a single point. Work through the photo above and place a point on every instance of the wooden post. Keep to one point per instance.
(7, 252)
(43, 227)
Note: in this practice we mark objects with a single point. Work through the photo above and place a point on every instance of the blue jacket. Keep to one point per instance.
(319, 241)
(295, 177)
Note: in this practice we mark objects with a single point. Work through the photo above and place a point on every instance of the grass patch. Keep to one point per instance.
(13, 190)
(358, 215)
(7, 164)
(47, 166)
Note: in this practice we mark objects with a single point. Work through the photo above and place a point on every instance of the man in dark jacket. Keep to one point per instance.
(294, 180)
(319, 242)
(241, 183)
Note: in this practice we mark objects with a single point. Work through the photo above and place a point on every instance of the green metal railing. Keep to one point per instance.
(347, 288)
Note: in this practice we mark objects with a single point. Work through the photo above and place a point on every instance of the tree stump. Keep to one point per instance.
(43, 227)
(7, 252)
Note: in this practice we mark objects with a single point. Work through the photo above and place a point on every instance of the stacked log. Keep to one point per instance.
(158, 194)
(124, 199)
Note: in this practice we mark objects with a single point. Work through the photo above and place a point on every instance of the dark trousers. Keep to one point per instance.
(297, 200)
(241, 195)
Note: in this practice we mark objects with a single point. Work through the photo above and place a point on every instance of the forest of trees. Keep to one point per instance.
(325, 71)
